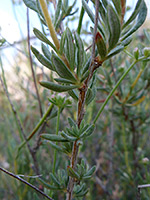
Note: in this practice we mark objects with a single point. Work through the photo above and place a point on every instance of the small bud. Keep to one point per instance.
(146, 51)
(145, 161)
(136, 53)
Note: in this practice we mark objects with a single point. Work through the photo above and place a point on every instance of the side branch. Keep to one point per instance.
(25, 182)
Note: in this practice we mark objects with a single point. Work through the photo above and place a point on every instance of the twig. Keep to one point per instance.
(31, 64)
(25, 182)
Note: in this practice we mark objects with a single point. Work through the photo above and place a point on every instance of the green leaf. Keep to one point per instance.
(62, 43)
(114, 27)
(53, 137)
(48, 186)
(70, 48)
(57, 13)
(134, 14)
(140, 20)
(90, 171)
(115, 51)
(127, 41)
(61, 69)
(69, 138)
(43, 38)
(71, 122)
(55, 180)
(73, 173)
(91, 15)
(55, 146)
(88, 131)
(43, 60)
(73, 94)
(80, 52)
(117, 4)
(57, 88)
(62, 80)
(91, 93)
(46, 52)
(40, 12)
(31, 4)
(101, 46)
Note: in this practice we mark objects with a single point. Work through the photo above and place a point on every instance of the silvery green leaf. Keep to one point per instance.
(46, 52)
(114, 27)
(56, 87)
(43, 38)
(31, 4)
(62, 70)
(43, 60)
(134, 14)
(140, 20)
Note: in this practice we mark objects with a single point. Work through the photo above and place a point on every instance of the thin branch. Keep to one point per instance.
(31, 64)
(25, 182)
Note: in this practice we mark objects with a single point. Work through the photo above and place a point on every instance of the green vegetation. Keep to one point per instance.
(77, 126)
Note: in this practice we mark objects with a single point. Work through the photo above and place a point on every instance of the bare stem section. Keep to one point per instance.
(49, 23)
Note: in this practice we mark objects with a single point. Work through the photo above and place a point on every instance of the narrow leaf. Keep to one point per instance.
(55, 180)
(70, 48)
(53, 137)
(80, 52)
(134, 14)
(61, 69)
(91, 15)
(69, 138)
(62, 80)
(117, 4)
(43, 60)
(58, 9)
(43, 38)
(73, 94)
(140, 20)
(73, 173)
(91, 93)
(114, 27)
(31, 4)
(115, 51)
(57, 88)
(101, 46)
(46, 52)
(55, 146)
(48, 186)
(90, 171)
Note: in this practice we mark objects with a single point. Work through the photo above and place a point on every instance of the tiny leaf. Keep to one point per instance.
(56, 87)
(53, 137)
(101, 46)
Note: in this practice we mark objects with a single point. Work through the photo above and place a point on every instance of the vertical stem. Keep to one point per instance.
(81, 103)
(31, 64)
(57, 129)
(49, 23)
(125, 149)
